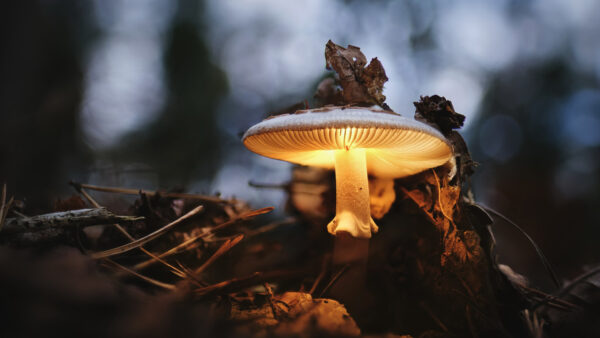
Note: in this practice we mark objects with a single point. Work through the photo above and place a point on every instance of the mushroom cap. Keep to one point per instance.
(395, 146)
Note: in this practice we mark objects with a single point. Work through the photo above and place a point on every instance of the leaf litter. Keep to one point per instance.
(434, 269)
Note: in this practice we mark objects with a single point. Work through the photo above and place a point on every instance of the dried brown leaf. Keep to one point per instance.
(329, 93)
(373, 78)
(439, 112)
(360, 85)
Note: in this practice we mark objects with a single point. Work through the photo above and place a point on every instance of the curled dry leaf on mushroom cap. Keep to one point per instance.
(360, 85)
(355, 142)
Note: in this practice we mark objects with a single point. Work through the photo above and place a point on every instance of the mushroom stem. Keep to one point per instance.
(353, 210)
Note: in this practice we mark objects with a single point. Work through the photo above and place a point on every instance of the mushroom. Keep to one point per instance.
(356, 142)
(382, 195)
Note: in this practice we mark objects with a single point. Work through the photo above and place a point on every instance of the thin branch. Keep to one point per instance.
(568, 287)
(270, 226)
(578, 280)
(89, 198)
(2, 203)
(270, 296)
(283, 186)
(71, 218)
(334, 279)
(204, 198)
(4, 207)
(435, 318)
(256, 278)
(539, 251)
(548, 298)
(287, 187)
(324, 266)
(470, 322)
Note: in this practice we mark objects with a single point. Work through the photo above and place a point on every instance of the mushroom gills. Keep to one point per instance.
(352, 210)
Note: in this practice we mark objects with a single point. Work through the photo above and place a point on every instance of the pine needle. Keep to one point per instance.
(334, 279)
(230, 243)
(182, 245)
(139, 242)
(174, 270)
(147, 279)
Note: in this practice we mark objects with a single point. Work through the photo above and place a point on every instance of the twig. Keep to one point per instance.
(470, 322)
(147, 279)
(270, 296)
(2, 201)
(178, 247)
(147, 238)
(89, 198)
(539, 251)
(548, 298)
(284, 186)
(334, 279)
(270, 226)
(4, 207)
(175, 271)
(287, 187)
(127, 191)
(256, 278)
(324, 266)
(578, 280)
(567, 287)
(433, 316)
(81, 217)
(493, 322)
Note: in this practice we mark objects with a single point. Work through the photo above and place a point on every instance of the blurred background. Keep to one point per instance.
(155, 94)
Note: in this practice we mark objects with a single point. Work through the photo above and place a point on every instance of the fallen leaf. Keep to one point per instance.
(360, 85)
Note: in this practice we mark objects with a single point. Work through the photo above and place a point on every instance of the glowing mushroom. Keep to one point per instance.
(355, 142)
